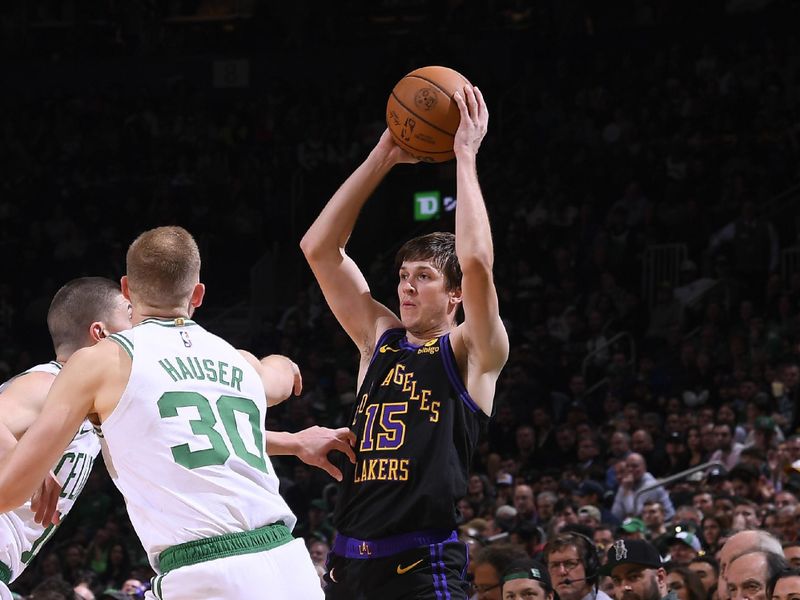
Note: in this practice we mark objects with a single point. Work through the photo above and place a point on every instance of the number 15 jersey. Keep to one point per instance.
(186, 443)
(417, 429)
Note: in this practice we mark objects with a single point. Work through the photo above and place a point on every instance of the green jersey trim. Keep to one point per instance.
(221, 546)
(178, 322)
(126, 344)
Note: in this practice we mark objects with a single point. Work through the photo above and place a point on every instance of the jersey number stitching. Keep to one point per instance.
(218, 453)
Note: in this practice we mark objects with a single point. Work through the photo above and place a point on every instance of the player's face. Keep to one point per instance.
(424, 300)
(120, 317)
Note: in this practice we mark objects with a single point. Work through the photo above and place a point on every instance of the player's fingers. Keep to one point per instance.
(462, 106)
(330, 469)
(298, 381)
(484, 110)
(51, 514)
(36, 506)
(44, 504)
(472, 102)
(345, 448)
(347, 435)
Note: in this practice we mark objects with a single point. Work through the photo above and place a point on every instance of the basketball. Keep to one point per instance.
(422, 115)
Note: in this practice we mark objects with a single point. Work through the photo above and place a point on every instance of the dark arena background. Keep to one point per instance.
(642, 177)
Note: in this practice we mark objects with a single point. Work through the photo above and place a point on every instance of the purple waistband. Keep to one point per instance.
(355, 548)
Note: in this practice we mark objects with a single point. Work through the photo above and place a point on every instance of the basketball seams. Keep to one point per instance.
(434, 84)
(419, 102)
(428, 123)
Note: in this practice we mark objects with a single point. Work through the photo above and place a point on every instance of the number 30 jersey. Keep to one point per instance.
(186, 443)
(417, 429)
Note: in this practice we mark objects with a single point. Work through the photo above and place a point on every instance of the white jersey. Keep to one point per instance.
(21, 537)
(186, 443)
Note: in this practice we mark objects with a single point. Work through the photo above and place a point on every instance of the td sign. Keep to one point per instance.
(427, 205)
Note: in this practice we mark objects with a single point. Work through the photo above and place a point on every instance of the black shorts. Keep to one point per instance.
(435, 572)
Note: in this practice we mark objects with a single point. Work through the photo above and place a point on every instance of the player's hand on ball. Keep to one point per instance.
(394, 153)
(474, 120)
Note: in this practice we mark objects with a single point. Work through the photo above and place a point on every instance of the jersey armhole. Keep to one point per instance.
(384, 339)
(124, 342)
(451, 367)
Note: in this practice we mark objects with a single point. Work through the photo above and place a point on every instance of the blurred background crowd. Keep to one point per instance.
(641, 174)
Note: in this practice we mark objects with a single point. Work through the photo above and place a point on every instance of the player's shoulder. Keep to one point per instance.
(250, 358)
(28, 378)
(458, 341)
(100, 355)
(31, 384)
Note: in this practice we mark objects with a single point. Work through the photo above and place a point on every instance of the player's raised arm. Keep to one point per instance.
(483, 333)
(344, 286)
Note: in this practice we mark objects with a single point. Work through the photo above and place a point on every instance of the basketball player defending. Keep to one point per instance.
(182, 416)
(82, 312)
(426, 383)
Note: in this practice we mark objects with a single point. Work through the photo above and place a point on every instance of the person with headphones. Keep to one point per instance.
(573, 565)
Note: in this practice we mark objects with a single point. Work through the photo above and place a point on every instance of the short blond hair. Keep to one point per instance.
(163, 266)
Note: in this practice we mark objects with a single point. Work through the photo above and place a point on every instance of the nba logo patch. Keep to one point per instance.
(185, 338)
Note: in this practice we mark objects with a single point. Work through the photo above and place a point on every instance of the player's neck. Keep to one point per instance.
(158, 313)
(419, 337)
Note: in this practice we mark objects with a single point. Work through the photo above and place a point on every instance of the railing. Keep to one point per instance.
(607, 348)
(591, 390)
(662, 264)
(677, 477)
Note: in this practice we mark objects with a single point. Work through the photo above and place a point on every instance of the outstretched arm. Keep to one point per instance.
(20, 405)
(483, 333)
(312, 446)
(279, 375)
(344, 286)
(70, 400)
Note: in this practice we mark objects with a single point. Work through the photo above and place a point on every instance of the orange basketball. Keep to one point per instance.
(422, 115)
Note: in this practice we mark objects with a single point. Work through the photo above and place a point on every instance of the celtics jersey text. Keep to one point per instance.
(186, 443)
(417, 429)
(21, 537)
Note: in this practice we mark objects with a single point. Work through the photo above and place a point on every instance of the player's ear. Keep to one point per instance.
(98, 331)
(198, 293)
(123, 284)
(455, 295)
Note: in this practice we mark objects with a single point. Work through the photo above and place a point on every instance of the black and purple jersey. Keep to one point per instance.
(417, 429)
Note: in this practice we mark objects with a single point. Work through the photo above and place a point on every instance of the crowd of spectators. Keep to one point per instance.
(598, 149)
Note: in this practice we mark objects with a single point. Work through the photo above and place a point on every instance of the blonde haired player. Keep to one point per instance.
(182, 415)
